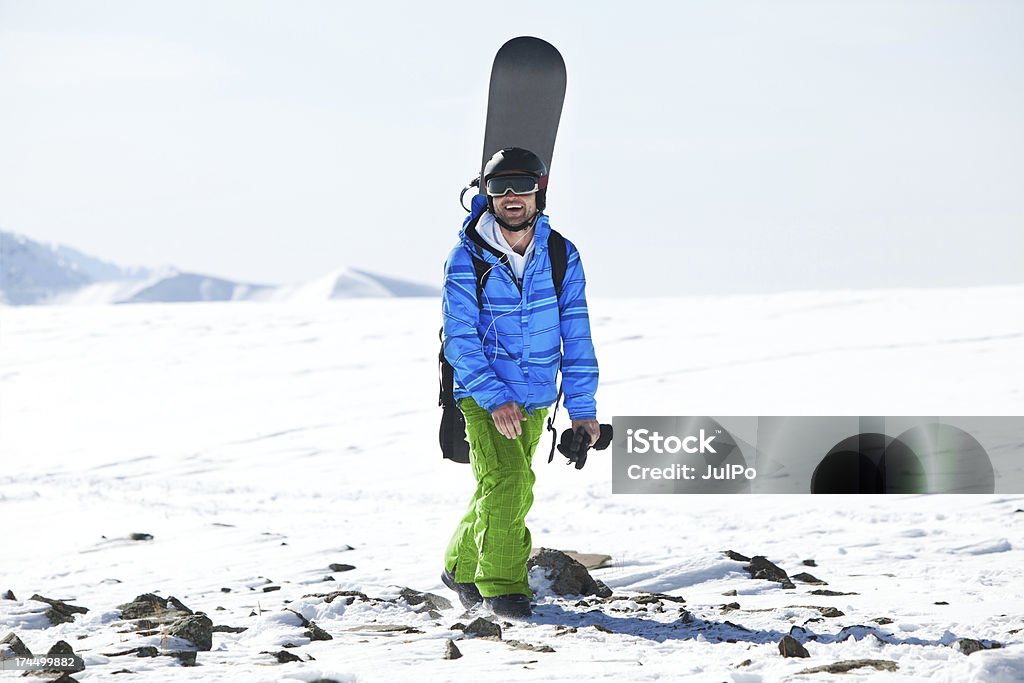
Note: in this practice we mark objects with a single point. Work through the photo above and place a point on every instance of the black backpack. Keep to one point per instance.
(452, 433)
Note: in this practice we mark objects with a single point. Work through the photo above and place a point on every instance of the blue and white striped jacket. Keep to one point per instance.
(508, 346)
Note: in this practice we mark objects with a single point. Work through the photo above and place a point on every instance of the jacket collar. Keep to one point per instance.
(472, 240)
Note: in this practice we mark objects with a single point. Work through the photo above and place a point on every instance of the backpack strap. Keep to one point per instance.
(483, 270)
(559, 260)
(551, 419)
(557, 253)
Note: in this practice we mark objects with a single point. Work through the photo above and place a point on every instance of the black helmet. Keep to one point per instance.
(516, 159)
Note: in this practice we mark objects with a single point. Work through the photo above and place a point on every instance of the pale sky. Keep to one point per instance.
(704, 146)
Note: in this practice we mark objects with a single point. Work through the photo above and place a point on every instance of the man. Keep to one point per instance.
(506, 345)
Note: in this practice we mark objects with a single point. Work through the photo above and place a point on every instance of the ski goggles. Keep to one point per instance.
(519, 184)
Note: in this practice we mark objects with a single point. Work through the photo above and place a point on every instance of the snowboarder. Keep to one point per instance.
(506, 343)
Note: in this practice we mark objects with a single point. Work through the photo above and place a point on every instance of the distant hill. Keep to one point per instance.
(35, 273)
(32, 272)
(350, 283)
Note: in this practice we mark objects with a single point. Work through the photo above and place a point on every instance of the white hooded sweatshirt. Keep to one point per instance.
(490, 231)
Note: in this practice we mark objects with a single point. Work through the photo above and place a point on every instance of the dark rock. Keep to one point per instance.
(736, 626)
(457, 626)
(791, 647)
(317, 633)
(195, 628)
(8, 595)
(450, 651)
(152, 605)
(229, 629)
(328, 577)
(731, 593)
(761, 568)
(65, 678)
(745, 662)
(283, 656)
(810, 563)
(568, 577)
(655, 598)
(733, 555)
(520, 645)
(385, 628)
(184, 657)
(14, 643)
(482, 628)
(225, 590)
(430, 600)
(804, 577)
(60, 612)
(970, 646)
(851, 664)
(731, 607)
(122, 671)
(830, 612)
(825, 592)
(941, 602)
(145, 605)
(62, 649)
(271, 589)
(336, 567)
(138, 536)
(176, 604)
(144, 651)
(882, 621)
(602, 629)
(334, 595)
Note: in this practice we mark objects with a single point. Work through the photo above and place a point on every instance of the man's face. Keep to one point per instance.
(515, 209)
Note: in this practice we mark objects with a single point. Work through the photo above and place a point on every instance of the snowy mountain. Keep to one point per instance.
(32, 272)
(35, 273)
(350, 283)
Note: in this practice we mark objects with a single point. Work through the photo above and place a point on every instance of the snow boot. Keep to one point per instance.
(514, 606)
(468, 593)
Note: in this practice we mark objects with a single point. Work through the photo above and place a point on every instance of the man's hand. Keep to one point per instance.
(507, 418)
(593, 428)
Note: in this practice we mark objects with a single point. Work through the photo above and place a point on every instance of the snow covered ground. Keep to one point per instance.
(258, 443)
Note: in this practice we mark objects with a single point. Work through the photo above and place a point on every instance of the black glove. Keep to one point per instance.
(574, 445)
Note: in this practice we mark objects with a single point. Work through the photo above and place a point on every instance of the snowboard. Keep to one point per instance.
(524, 102)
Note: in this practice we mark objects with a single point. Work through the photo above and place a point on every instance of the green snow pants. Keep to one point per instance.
(491, 545)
